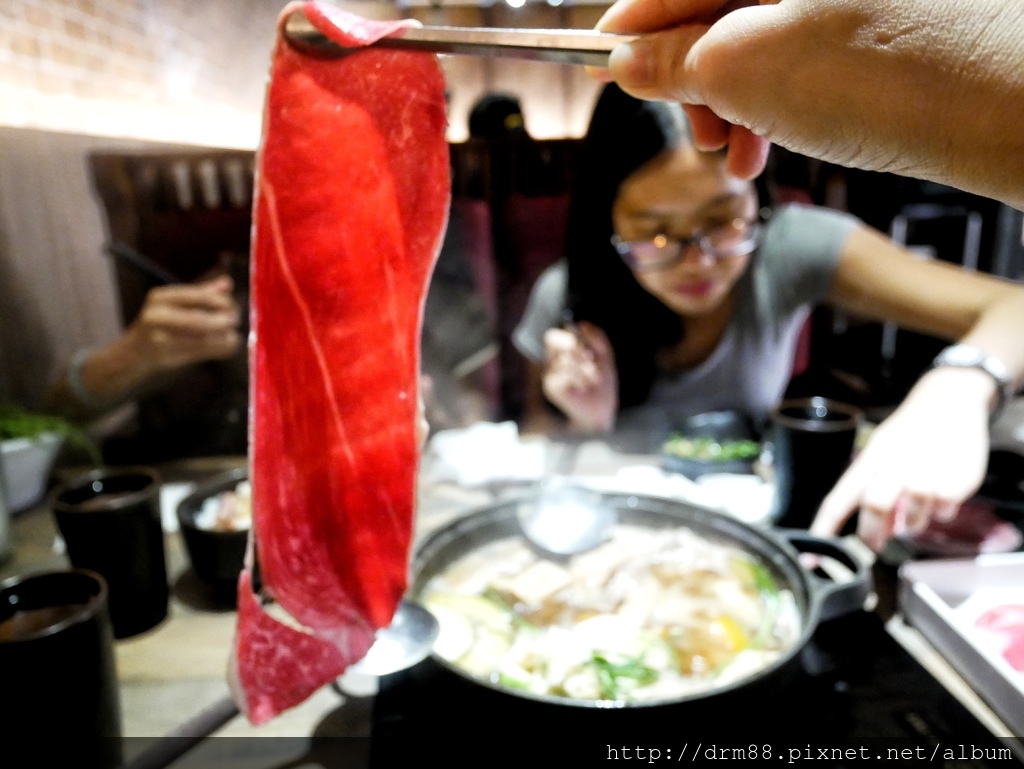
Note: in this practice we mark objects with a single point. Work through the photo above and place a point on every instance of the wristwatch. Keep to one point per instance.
(969, 356)
(74, 377)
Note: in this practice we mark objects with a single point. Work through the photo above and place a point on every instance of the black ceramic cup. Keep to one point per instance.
(813, 440)
(60, 704)
(110, 522)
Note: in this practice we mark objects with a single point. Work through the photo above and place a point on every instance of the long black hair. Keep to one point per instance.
(624, 134)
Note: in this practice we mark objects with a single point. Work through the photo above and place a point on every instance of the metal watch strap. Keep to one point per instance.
(969, 356)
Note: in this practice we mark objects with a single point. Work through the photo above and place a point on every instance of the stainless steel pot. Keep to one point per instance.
(817, 599)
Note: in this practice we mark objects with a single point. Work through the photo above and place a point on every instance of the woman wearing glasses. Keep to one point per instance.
(684, 297)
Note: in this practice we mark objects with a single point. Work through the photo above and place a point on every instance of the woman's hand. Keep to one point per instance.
(183, 324)
(921, 463)
(927, 88)
(579, 377)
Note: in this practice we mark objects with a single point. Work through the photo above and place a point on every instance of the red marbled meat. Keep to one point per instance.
(353, 191)
(1007, 621)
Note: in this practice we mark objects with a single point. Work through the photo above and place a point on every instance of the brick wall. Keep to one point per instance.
(194, 71)
(172, 70)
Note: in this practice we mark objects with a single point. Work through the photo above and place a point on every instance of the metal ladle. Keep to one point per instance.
(406, 641)
(565, 519)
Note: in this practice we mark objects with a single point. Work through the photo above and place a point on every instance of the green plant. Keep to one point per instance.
(19, 422)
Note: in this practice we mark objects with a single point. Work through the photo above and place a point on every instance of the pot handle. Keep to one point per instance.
(833, 599)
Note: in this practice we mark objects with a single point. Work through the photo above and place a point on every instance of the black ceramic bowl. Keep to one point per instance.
(216, 556)
(719, 426)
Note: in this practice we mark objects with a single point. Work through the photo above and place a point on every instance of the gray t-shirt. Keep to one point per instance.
(751, 366)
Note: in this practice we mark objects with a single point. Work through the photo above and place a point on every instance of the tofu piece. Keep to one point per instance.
(539, 582)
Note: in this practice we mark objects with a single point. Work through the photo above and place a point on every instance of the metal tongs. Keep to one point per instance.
(562, 46)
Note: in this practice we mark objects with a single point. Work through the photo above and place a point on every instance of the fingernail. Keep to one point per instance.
(632, 63)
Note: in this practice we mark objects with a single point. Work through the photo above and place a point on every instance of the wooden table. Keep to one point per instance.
(171, 673)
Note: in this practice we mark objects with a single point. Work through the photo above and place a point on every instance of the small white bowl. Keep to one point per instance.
(26, 464)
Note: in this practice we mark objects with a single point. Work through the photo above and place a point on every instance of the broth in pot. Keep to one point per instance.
(652, 614)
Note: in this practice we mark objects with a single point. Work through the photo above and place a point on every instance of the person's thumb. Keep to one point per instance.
(658, 65)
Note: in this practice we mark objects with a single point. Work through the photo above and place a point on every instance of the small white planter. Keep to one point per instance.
(26, 464)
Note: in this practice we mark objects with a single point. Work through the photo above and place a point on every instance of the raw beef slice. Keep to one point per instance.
(352, 194)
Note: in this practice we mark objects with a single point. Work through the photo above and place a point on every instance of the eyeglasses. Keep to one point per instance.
(737, 238)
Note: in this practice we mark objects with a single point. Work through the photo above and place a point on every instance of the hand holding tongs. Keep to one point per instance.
(563, 46)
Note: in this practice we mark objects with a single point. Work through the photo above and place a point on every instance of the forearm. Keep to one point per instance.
(971, 388)
(877, 279)
(998, 332)
(938, 92)
(984, 110)
(104, 379)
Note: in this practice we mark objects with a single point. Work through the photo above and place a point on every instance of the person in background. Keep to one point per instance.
(924, 88)
(497, 116)
(458, 342)
(182, 359)
(458, 347)
(515, 160)
(496, 122)
(684, 297)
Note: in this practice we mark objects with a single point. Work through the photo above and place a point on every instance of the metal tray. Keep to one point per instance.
(935, 597)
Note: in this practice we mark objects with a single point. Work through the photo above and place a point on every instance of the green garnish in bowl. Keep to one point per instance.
(706, 449)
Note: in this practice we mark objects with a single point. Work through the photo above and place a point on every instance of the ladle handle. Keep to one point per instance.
(834, 599)
(166, 750)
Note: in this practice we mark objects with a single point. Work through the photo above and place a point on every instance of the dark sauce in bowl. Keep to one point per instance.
(25, 625)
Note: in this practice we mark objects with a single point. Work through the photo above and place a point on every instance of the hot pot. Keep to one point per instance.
(818, 599)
